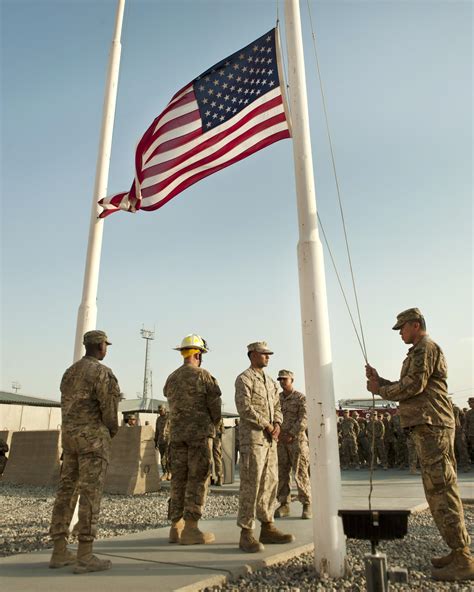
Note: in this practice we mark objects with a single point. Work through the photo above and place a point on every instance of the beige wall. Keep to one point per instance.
(17, 418)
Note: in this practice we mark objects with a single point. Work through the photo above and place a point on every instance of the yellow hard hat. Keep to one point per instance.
(193, 341)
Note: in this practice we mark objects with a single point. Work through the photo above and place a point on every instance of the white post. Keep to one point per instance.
(87, 313)
(329, 541)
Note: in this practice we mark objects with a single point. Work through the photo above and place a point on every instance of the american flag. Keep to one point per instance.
(232, 110)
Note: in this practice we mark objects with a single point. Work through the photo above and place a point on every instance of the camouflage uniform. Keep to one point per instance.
(162, 441)
(460, 444)
(427, 411)
(389, 440)
(401, 451)
(89, 404)
(469, 430)
(349, 429)
(362, 442)
(3, 458)
(258, 404)
(375, 432)
(194, 400)
(217, 453)
(295, 454)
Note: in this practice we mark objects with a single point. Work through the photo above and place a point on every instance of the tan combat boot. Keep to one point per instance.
(271, 535)
(87, 562)
(61, 555)
(307, 512)
(443, 560)
(248, 542)
(191, 535)
(282, 511)
(460, 568)
(175, 531)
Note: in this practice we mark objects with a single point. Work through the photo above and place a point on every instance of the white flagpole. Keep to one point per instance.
(87, 313)
(329, 540)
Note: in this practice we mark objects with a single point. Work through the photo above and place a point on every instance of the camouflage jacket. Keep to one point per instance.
(90, 396)
(194, 400)
(258, 405)
(349, 427)
(389, 435)
(162, 429)
(469, 424)
(295, 420)
(422, 389)
(376, 426)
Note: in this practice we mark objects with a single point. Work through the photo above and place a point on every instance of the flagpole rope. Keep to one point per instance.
(337, 181)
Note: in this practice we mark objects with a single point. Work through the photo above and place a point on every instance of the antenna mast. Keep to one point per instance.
(148, 335)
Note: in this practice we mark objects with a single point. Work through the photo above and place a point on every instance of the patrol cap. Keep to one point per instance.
(346, 411)
(285, 374)
(411, 314)
(259, 346)
(95, 337)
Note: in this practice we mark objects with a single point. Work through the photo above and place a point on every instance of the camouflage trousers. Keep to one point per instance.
(190, 470)
(163, 448)
(412, 454)
(293, 456)
(435, 449)
(258, 483)
(349, 452)
(460, 447)
(83, 475)
(379, 450)
(217, 457)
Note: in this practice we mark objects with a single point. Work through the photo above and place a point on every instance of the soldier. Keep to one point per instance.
(131, 421)
(401, 452)
(162, 440)
(349, 431)
(389, 439)
(194, 399)
(89, 404)
(363, 449)
(375, 433)
(469, 426)
(427, 411)
(3, 457)
(293, 449)
(258, 404)
(460, 444)
(217, 455)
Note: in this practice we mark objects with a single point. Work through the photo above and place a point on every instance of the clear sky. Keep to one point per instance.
(220, 259)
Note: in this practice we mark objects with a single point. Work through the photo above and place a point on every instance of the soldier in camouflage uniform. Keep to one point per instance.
(258, 404)
(194, 400)
(389, 439)
(162, 441)
(293, 448)
(362, 442)
(469, 427)
(89, 404)
(427, 411)
(460, 444)
(375, 432)
(401, 458)
(218, 471)
(3, 458)
(349, 431)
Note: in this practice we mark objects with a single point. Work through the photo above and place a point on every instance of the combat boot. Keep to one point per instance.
(61, 555)
(282, 511)
(87, 562)
(307, 512)
(191, 535)
(175, 531)
(271, 535)
(443, 560)
(460, 568)
(248, 542)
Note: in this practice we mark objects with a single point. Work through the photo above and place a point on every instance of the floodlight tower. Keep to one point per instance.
(16, 386)
(148, 335)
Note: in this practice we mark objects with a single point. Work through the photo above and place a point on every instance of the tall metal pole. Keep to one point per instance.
(87, 313)
(329, 541)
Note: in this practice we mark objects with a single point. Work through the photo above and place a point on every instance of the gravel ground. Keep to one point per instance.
(26, 512)
(413, 552)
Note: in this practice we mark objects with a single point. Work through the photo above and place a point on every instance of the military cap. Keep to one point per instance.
(161, 407)
(411, 314)
(354, 413)
(95, 337)
(346, 411)
(259, 346)
(285, 374)
(470, 399)
(386, 414)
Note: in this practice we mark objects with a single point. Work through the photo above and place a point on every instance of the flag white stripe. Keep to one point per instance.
(153, 199)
